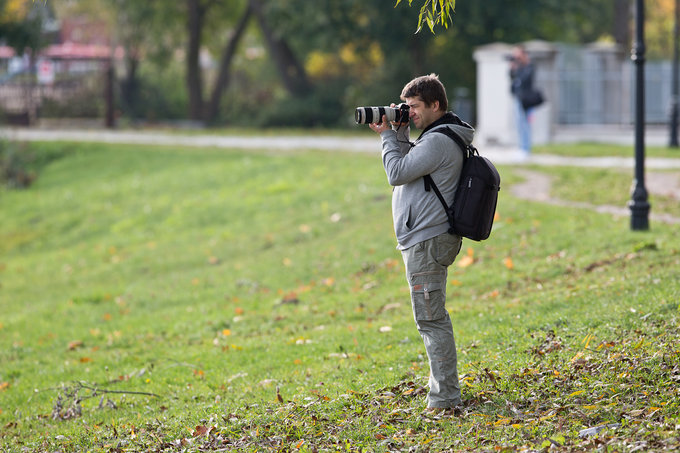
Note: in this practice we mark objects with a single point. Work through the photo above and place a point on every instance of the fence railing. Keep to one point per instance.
(596, 88)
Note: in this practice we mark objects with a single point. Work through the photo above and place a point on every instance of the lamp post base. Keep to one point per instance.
(639, 219)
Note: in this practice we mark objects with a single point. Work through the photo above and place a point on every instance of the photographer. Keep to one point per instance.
(522, 87)
(421, 224)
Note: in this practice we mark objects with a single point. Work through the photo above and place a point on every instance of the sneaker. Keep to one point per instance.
(444, 411)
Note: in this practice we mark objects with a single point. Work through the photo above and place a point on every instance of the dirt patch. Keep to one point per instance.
(536, 187)
(663, 183)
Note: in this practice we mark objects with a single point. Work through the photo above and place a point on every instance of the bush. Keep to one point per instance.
(321, 108)
(19, 165)
(14, 162)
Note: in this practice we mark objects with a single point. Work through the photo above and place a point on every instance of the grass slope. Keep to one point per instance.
(169, 299)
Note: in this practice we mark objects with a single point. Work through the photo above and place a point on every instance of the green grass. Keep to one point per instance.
(605, 186)
(167, 299)
(604, 150)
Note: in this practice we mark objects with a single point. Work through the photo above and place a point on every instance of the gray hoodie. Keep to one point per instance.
(419, 215)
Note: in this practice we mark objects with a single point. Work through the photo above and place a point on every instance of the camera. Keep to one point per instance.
(367, 115)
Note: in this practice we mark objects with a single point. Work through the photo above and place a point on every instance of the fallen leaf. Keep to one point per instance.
(72, 346)
(508, 263)
(468, 259)
(200, 430)
(465, 261)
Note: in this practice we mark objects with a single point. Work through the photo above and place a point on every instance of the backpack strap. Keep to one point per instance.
(467, 150)
(429, 183)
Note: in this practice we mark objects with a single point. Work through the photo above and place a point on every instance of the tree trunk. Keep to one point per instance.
(224, 74)
(195, 19)
(622, 18)
(109, 98)
(129, 87)
(292, 72)
(417, 52)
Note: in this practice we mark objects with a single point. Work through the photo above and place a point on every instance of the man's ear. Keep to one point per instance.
(435, 105)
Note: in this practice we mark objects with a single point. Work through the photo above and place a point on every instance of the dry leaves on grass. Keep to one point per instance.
(588, 393)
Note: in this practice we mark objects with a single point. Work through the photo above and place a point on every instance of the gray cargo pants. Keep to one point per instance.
(426, 270)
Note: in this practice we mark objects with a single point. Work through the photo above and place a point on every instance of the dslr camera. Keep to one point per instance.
(367, 115)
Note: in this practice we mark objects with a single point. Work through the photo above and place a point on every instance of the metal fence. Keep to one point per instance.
(590, 86)
(23, 102)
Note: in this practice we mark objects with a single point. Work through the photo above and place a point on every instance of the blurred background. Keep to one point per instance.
(296, 63)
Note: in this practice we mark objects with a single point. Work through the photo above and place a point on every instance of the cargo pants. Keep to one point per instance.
(426, 270)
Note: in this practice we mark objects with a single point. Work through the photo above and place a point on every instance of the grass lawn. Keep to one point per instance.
(169, 299)
(604, 150)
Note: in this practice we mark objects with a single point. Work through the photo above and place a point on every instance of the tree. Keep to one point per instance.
(140, 28)
(434, 12)
(224, 72)
(24, 27)
(22, 24)
(291, 70)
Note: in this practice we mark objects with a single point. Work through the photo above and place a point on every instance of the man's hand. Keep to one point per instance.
(380, 127)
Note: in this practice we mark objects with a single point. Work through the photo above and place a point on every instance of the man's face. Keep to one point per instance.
(422, 115)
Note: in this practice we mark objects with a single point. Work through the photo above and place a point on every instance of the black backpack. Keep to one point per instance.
(474, 203)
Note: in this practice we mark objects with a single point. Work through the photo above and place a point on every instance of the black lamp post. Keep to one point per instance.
(638, 205)
(673, 143)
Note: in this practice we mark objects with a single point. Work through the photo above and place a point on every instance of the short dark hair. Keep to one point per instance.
(429, 89)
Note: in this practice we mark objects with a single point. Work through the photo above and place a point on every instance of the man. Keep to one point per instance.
(522, 85)
(421, 225)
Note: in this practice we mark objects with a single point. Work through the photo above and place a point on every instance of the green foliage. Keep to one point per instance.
(160, 94)
(434, 12)
(586, 149)
(153, 31)
(19, 165)
(254, 301)
(24, 31)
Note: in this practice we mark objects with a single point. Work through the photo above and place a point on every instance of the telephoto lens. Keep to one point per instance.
(367, 115)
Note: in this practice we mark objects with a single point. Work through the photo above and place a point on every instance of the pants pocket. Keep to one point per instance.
(428, 295)
(447, 248)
